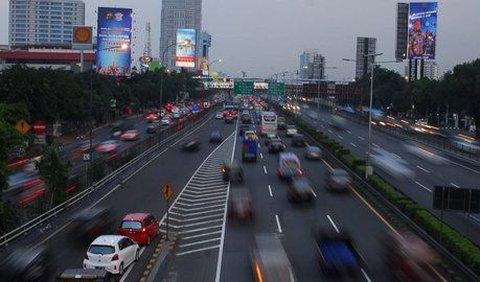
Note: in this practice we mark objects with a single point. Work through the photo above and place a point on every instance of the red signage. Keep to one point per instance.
(39, 127)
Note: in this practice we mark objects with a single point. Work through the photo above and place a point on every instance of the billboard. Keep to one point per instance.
(185, 54)
(422, 30)
(114, 29)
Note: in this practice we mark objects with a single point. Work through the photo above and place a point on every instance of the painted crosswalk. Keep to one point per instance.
(198, 213)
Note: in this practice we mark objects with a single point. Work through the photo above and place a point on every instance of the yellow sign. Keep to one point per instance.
(22, 126)
(82, 35)
(167, 191)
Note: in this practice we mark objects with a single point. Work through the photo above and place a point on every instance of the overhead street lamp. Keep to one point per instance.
(123, 46)
(369, 169)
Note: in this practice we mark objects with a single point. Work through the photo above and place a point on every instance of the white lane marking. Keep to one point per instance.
(200, 229)
(466, 167)
(330, 131)
(265, 169)
(375, 145)
(349, 132)
(314, 194)
(130, 267)
(259, 145)
(396, 156)
(333, 223)
(424, 169)
(351, 143)
(327, 164)
(340, 137)
(278, 224)
(270, 191)
(361, 138)
(197, 213)
(423, 186)
(199, 242)
(454, 185)
(218, 272)
(201, 235)
(198, 250)
(365, 275)
(261, 156)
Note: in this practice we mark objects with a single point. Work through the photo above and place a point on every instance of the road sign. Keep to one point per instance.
(22, 126)
(39, 127)
(167, 191)
(243, 87)
(86, 157)
(276, 89)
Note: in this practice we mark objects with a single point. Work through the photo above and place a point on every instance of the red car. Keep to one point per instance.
(140, 227)
(150, 117)
(130, 135)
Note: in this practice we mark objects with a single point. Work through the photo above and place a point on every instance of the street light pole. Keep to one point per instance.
(161, 77)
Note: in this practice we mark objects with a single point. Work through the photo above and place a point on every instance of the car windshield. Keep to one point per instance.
(313, 149)
(291, 164)
(339, 173)
(130, 224)
(101, 249)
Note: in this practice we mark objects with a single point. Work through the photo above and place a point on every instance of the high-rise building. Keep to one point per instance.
(315, 69)
(402, 31)
(205, 44)
(430, 70)
(305, 58)
(45, 22)
(178, 14)
(365, 46)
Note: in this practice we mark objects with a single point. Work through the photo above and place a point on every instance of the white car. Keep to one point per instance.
(291, 130)
(219, 115)
(165, 121)
(114, 253)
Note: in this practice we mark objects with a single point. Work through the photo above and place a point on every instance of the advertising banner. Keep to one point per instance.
(185, 55)
(422, 30)
(114, 30)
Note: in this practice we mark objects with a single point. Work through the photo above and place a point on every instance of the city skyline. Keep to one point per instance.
(248, 38)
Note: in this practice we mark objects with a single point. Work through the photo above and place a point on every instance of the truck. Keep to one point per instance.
(337, 254)
(249, 147)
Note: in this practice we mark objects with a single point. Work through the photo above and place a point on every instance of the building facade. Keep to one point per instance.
(205, 44)
(44, 22)
(306, 58)
(430, 70)
(414, 71)
(365, 46)
(178, 14)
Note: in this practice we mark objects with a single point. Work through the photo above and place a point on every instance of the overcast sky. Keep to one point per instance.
(263, 37)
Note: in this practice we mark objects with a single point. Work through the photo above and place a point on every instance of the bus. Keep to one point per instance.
(268, 123)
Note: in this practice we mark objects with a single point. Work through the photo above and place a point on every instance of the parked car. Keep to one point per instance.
(114, 253)
(140, 227)
(313, 153)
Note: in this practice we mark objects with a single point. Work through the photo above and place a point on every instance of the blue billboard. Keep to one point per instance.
(114, 34)
(422, 30)
(186, 44)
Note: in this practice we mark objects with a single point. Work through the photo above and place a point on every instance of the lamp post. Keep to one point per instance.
(161, 77)
(124, 46)
(369, 169)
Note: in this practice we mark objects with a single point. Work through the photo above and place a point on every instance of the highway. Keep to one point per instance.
(138, 192)
(213, 248)
(452, 171)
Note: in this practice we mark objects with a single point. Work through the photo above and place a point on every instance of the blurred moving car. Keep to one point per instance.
(219, 115)
(140, 227)
(215, 137)
(281, 123)
(90, 223)
(154, 127)
(276, 146)
(270, 137)
(337, 254)
(229, 119)
(300, 190)
(288, 166)
(270, 262)
(114, 253)
(391, 164)
(232, 172)
(299, 140)
(130, 135)
(338, 180)
(242, 128)
(409, 258)
(291, 130)
(150, 117)
(85, 275)
(191, 145)
(240, 205)
(28, 264)
(425, 153)
(166, 120)
(313, 153)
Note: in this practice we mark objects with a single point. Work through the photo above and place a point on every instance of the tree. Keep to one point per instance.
(54, 172)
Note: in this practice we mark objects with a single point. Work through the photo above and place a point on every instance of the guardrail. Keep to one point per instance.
(373, 195)
(37, 221)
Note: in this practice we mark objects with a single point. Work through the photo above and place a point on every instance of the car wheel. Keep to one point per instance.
(120, 269)
(137, 253)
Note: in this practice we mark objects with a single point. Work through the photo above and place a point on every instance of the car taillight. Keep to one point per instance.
(115, 257)
(280, 172)
(86, 257)
(299, 172)
(144, 230)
